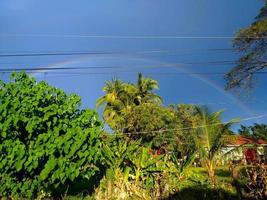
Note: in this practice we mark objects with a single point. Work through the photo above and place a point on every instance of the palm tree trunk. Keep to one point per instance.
(211, 171)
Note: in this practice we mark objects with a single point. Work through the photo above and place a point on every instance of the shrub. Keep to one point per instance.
(256, 186)
(45, 139)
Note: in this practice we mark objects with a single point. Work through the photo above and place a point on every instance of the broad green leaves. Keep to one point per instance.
(45, 138)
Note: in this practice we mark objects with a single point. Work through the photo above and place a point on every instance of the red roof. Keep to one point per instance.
(243, 140)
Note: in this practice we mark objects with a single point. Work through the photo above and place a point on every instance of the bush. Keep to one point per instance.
(256, 186)
(45, 139)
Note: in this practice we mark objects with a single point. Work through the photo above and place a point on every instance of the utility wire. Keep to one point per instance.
(220, 62)
(118, 69)
(56, 53)
(118, 66)
(195, 127)
(153, 51)
(125, 36)
(116, 73)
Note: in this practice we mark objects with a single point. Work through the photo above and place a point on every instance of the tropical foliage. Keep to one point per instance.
(46, 140)
(210, 137)
(251, 42)
(129, 166)
(258, 131)
(124, 103)
(49, 146)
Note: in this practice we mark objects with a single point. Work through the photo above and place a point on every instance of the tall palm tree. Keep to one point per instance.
(210, 137)
(112, 102)
(144, 94)
(121, 98)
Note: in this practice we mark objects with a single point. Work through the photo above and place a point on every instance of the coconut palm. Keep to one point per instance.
(113, 102)
(210, 137)
(121, 98)
(144, 94)
(259, 131)
(113, 89)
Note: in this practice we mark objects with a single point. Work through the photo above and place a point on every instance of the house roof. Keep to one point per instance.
(239, 140)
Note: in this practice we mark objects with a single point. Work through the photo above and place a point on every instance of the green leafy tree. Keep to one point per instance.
(45, 139)
(257, 131)
(181, 138)
(125, 103)
(210, 137)
(244, 130)
(251, 42)
(146, 121)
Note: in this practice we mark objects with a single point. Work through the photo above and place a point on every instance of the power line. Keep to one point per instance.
(125, 36)
(184, 63)
(154, 50)
(67, 70)
(195, 127)
(118, 66)
(173, 73)
(218, 62)
(85, 73)
(149, 73)
(56, 53)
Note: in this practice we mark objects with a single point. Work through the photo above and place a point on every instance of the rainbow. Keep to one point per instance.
(179, 67)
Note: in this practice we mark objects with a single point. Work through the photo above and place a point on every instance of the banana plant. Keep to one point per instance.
(115, 155)
(144, 164)
(180, 166)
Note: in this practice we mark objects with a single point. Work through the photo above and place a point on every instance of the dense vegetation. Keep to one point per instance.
(46, 140)
(50, 148)
(257, 131)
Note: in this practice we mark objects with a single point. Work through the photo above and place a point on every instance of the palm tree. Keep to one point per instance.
(210, 137)
(144, 94)
(113, 102)
(121, 98)
(113, 89)
(259, 131)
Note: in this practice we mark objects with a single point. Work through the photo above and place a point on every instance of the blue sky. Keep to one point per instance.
(145, 25)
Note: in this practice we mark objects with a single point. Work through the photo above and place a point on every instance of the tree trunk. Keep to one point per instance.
(211, 171)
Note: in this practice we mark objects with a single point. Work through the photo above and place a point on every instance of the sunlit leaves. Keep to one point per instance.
(45, 138)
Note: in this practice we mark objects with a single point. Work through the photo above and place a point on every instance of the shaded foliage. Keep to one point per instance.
(256, 186)
(257, 131)
(251, 42)
(199, 193)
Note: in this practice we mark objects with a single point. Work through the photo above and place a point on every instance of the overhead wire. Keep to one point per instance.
(117, 66)
(212, 62)
(124, 36)
(62, 53)
(192, 127)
